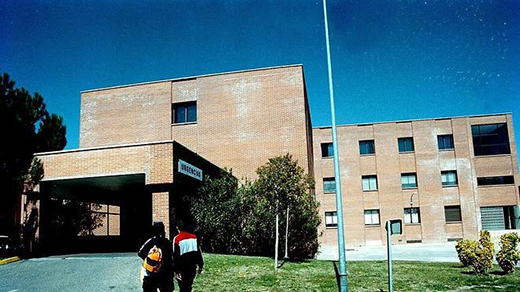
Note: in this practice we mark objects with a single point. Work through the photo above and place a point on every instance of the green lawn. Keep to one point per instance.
(242, 273)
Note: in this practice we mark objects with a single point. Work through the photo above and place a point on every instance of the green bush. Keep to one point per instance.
(478, 255)
(466, 250)
(484, 254)
(239, 217)
(508, 256)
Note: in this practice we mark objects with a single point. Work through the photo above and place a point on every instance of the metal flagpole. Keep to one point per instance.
(339, 205)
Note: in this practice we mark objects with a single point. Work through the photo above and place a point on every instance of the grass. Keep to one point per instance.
(243, 273)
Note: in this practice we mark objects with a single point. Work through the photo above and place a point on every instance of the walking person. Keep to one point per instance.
(187, 257)
(157, 255)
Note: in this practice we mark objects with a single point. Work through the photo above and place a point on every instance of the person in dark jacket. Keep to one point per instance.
(157, 255)
(187, 256)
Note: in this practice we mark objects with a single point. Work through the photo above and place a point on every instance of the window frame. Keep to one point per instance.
(363, 177)
(331, 215)
(408, 174)
(453, 207)
(368, 145)
(404, 140)
(410, 215)
(371, 213)
(329, 179)
(186, 106)
(448, 184)
(488, 181)
(441, 139)
(327, 147)
(502, 141)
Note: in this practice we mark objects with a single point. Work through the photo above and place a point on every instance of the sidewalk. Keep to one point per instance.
(434, 252)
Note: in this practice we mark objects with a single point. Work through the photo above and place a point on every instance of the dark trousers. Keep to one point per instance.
(164, 284)
(187, 280)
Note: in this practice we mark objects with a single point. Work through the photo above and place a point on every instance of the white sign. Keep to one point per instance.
(190, 170)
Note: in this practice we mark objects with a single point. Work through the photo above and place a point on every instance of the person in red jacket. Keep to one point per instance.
(187, 256)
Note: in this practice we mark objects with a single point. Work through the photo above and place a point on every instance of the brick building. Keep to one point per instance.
(426, 172)
(446, 178)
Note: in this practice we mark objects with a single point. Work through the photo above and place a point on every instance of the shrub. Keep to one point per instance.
(466, 251)
(508, 256)
(484, 254)
(477, 254)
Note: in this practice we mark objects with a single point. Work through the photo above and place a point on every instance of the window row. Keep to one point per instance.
(493, 218)
(411, 216)
(408, 181)
(405, 145)
(491, 139)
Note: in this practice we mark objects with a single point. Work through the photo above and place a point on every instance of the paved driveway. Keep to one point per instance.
(95, 272)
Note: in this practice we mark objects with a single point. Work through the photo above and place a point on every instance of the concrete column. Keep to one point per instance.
(160, 209)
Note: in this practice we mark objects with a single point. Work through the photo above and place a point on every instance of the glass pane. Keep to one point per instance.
(368, 218)
(192, 113)
(180, 114)
(366, 184)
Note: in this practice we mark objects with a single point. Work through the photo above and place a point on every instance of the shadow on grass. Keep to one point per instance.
(499, 273)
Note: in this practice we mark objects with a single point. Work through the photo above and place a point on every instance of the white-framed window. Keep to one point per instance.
(412, 216)
(408, 180)
(331, 219)
(369, 182)
(372, 217)
(449, 178)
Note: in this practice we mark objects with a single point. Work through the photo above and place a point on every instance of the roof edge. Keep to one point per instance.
(103, 147)
(416, 120)
(192, 77)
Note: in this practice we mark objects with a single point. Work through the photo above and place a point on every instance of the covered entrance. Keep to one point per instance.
(95, 214)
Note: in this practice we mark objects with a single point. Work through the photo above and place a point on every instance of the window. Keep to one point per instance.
(412, 216)
(369, 182)
(329, 185)
(498, 218)
(445, 142)
(495, 180)
(185, 112)
(405, 145)
(331, 219)
(327, 150)
(408, 180)
(452, 213)
(367, 147)
(371, 217)
(449, 178)
(490, 139)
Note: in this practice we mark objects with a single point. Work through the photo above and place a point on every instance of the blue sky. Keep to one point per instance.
(392, 60)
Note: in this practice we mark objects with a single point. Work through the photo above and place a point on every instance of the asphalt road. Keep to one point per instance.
(95, 272)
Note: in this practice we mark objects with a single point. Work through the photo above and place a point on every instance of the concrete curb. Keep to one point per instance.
(9, 260)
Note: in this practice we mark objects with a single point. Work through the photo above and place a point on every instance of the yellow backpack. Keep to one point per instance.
(153, 262)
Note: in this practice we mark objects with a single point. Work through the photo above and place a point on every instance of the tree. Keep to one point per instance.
(240, 218)
(26, 128)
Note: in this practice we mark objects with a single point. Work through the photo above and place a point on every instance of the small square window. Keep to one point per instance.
(367, 147)
(408, 180)
(452, 214)
(329, 185)
(445, 142)
(449, 178)
(405, 145)
(412, 216)
(372, 217)
(327, 150)
(369, 182)
(331, 219)
(185, 112)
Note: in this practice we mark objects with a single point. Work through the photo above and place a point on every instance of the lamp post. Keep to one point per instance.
(343, 285)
